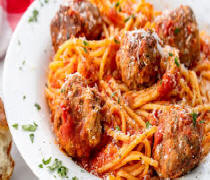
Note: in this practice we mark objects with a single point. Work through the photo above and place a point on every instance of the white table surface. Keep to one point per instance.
(21, 171)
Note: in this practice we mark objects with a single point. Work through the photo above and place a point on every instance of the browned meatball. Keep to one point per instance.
(178, 28)
(80, 128)
(177, 143)
(79, 18)
(138, 58)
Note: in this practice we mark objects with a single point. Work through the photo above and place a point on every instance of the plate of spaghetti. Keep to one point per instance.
(111, 89)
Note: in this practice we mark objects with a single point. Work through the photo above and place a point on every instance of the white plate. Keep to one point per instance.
(31, 43)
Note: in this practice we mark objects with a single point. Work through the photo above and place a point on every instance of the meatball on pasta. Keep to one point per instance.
(81, 126)
(178, 28)
(78, 18)
(177, 143)
(138, 59)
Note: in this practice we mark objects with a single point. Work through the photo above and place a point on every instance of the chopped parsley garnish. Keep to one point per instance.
(30, 127)
(201, 122)
(82, 170)
(170, 54)
(128, 18)
(62, 90)
(57, 163)
(85, 43)
(67, 35)
(24, 97)
(31, 137)
(38, 107)
(176, 61)
(40, 166)
(148, 124)
(116, 41)
(113, 94)
(15, 126)
(75, 178)
(23, 62)
(46, 162)
(117, 128)
(118, 100)
(85, 49)
(133, 16)
(117, 4)
(46, 1)
(34, 15)
(194, 117)
(62, 171)
(176, 31)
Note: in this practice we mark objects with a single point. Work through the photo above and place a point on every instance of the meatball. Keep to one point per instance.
(78, 18)
(80, 129)
(138, 58)
(178, 28)
(177, 143)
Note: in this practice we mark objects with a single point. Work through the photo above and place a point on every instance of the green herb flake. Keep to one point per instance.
(176, 61)
(82, 171)
(62, 90)
(38, 107)
(75, 178)
(194, 117)
(116, 41)
(170, 54)
(62, 171)
(46, 1)
(202, 122)
(40, 166)
(30, 127)
(85, 43)
(34, 16)
(148, 124)
(24, 97)
(133, 16)
(117, 128)
(67, 35)
(57, 163)
(85, 49)
(46, 162)
(23, 62)
(15, 126)
(31, 137)
(117, 4)
(127, 19)
(113, 94)
(176, 31)
(118, 100)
